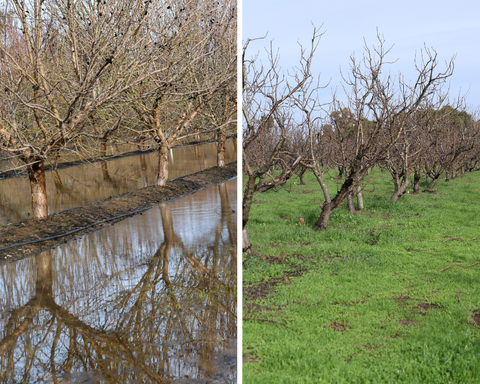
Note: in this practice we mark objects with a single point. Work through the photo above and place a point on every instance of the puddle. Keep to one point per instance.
(80, 185)
(150, 299)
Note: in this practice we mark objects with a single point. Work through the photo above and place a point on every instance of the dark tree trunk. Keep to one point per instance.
(434, 181)
(246, 205)
(328, 208)
(38, 186)
(400, 189)
(301, 175)
(322, 221)
(416, 180)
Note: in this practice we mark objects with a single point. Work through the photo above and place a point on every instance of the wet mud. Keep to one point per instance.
(63, 226)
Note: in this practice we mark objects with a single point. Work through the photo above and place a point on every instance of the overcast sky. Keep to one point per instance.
(451, 28)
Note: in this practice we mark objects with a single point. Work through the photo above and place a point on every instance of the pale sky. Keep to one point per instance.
(451, 27)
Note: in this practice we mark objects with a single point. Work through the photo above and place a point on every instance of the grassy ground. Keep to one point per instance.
(391, 295)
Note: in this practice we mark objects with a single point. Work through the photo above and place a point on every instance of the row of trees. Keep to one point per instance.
(75, 74)
(406, 128)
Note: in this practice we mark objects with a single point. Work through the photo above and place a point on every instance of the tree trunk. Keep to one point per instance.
(416, 180)
(163, 163)
(246, 205)
(359, 195)
(301, 175)
(103, 147)
(319, 175)
(351, 206)
(328, 208)
(246, 246)
(433, 182)
(222, 138)
(322, 221)
(106, 174)
(447, 176)
(38, 186)
(400, 188)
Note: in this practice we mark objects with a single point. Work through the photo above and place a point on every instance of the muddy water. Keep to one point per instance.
(81, 185)
(150, 299)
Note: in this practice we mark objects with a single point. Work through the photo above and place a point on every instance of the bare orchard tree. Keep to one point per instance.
(454, 136)
(315, 141)
(69, 59)
(386, 103)
(404, 157)
(202, 63)
(269, 120)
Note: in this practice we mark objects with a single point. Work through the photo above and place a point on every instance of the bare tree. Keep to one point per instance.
(385, 103)
(269, 120)
(71, 60)
(201, 63)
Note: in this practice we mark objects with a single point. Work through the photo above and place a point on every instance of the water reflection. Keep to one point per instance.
(151, 299)
(83, 184)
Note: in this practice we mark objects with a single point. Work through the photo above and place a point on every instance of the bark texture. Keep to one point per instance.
(36, 175)
(222, 139)
(163, 163)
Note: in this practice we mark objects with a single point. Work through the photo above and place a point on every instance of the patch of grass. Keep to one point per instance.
(390, 295)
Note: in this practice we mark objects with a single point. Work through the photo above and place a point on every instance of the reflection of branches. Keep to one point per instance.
(137, 330)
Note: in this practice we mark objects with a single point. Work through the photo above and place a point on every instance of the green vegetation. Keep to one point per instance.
(390, 295)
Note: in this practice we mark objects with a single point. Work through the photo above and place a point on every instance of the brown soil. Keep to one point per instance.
(86, 219)
(338, 326)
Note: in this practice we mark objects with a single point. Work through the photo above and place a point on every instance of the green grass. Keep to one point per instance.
(373, 302)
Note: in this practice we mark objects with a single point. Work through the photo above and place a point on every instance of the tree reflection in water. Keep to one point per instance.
(133, 303)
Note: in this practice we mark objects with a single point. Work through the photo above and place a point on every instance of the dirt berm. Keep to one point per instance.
(63, 226)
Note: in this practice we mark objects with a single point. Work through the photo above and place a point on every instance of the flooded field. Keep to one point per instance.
(83, 184)
(149, 300)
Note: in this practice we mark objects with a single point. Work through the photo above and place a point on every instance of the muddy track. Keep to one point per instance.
(78, 221)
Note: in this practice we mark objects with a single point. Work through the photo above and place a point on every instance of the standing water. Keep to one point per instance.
(80, 185)
(149, 300)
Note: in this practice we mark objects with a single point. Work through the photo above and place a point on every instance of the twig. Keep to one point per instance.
(460, 301)
(453, 238)
(455, 267)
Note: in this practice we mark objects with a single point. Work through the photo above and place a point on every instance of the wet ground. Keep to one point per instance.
(99, 214)
(151, 299)
(84, 183)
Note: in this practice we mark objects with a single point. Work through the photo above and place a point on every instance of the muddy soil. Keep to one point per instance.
(65, 225)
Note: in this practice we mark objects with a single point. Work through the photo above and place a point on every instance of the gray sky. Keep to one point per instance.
(451, 27)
